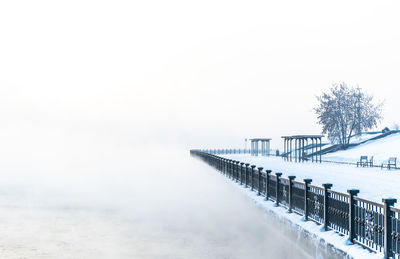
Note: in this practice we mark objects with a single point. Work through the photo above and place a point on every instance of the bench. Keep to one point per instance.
(371, 161)
(391, 163)
(363, 161)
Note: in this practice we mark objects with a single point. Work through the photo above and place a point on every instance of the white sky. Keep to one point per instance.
(197, 73)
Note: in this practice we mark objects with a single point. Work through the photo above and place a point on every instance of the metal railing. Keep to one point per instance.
(373, 225)
(226, 151)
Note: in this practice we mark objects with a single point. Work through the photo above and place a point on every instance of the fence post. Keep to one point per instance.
(230, 168)
(387, 203)
(306, 208)
(291, 178)
(233, 162)
(259, 180)
(326, 186)
(267, 172)
(252, 176)
(278, 175)
(246, 174)
(225, 166)
(241, 173)
(237, 171)
(352, 193)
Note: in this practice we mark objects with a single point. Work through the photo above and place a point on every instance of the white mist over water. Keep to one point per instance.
(95, 96)
(148, 203)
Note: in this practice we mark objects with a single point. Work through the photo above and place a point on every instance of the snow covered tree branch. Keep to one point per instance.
(345, 111)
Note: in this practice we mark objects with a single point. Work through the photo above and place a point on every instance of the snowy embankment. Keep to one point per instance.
(373, 183)
(380, 149)
(327, 243)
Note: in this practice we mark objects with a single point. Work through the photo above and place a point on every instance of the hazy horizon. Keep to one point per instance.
(100, 102)
(194, 75)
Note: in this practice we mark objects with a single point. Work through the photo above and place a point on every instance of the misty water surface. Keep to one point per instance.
(161, 204)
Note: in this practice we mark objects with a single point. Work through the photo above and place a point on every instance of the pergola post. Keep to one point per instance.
(288, 149)
(307, 146)
(312, 149)
(266, 143)
(259, 148)
(256, 147)
(284, 147)
(300, 149)
(316, 150)
(320, 149)
(262, 147)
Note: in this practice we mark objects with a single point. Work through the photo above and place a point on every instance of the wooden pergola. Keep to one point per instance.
(265, 146)
(297, 149)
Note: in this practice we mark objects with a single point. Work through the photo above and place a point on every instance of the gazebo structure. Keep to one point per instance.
(265, 146)
(297, 150)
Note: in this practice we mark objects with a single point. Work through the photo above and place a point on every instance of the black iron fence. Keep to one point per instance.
(226, 151)
(373, 225)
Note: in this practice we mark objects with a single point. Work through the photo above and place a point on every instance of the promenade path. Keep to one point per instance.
(373, 183)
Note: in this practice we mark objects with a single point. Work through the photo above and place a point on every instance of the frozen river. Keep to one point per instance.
(170, 206)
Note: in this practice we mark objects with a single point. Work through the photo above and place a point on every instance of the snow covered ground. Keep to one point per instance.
(373, 183)
(381, 149)
(330, 237)
(364, 136)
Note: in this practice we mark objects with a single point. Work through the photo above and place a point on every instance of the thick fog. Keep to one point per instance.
(156, 203)
(100, 102)
(192, 73)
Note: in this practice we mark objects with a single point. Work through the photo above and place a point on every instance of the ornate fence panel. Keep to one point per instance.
(272, 187)
(255, 177)
(369, 223)
(395, 231)
(249, 176)
(298, 197)
(284, 192)
(246, 175)
(262, 184)
(338, 212)
(316, 203)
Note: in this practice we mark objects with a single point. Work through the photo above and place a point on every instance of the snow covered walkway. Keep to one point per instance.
(373, 183)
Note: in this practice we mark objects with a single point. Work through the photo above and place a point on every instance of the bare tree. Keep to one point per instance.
(345, 111)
